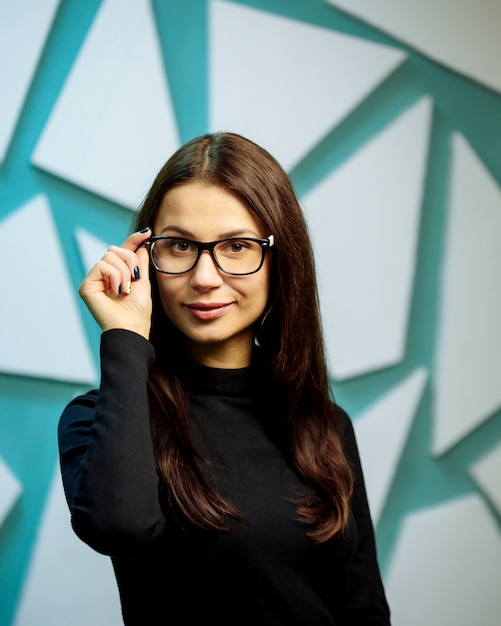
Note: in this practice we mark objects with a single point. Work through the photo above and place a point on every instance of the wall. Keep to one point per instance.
(388, 122)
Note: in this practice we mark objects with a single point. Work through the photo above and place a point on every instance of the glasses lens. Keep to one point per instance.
(174, 255)
(239, 256)
(234, 256)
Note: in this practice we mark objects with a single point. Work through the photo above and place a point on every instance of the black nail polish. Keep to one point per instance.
(137, 274)
(120, 289)
(145, 230)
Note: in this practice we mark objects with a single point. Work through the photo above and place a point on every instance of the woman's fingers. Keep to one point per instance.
(134, 241)
(126, 265)
(104, 277)
(108, 289)
(130, 260)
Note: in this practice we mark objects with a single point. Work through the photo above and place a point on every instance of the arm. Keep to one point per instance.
(367, 603)
(106, 452)
(105, 444)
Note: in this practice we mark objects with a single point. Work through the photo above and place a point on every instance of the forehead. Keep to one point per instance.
(205, 210)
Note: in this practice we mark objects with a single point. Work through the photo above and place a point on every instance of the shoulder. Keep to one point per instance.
(343, 421)
(347, 434)
(79, 413)
(84, 401)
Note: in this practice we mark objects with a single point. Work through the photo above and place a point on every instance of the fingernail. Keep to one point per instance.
(137, 274)
(120, 289)
(145, 230)
(129, 287)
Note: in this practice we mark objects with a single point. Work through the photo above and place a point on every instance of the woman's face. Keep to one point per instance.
(215, 311)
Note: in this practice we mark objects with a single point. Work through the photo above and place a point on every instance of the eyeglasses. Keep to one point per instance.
(237, 256)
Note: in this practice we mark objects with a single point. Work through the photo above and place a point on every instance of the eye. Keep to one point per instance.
(236, 246)
(180, 246)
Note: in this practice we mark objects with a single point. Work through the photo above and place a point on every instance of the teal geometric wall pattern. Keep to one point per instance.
(388, 130)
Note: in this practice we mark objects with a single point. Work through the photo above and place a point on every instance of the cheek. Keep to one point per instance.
(266, 281)
(168, 291)
(260, 294)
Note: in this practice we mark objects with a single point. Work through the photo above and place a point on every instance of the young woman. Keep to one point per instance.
(212, 464)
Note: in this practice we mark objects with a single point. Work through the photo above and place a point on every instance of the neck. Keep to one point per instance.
(222, 356)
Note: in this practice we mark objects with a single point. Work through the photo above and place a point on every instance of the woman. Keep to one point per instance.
(212, 464)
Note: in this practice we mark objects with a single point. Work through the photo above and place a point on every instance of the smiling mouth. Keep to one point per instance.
(203, 311)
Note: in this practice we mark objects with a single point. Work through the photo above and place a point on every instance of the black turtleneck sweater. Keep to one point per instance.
(265, 570)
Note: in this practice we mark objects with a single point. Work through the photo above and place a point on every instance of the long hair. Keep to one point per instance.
(289, 333)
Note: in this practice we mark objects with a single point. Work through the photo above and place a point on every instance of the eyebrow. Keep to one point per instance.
(240, 232)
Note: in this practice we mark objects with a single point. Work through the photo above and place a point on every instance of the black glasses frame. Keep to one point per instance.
(265, 244)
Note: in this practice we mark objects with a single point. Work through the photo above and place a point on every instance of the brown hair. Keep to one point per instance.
(289, 334)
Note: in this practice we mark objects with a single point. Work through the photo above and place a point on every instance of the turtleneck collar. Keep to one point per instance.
(213, 381)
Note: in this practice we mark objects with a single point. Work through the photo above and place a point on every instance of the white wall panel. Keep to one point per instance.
(447, 567)
(28, 21)
(468, 355)
(284, 83)
(486, 472)
(382, 432)
(10, 490)
(113, 125)
(67, 582)
(91, 248)
(364, 219)
(41, 332)
(463, 35)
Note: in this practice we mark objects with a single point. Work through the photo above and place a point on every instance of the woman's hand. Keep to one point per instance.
(117, 290)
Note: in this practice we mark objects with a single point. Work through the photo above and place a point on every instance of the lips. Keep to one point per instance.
(208, 310)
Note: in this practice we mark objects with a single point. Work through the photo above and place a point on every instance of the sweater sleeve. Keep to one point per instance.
(106, 452)
(367, 604)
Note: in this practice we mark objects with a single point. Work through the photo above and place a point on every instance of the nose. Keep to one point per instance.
(206, 274)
